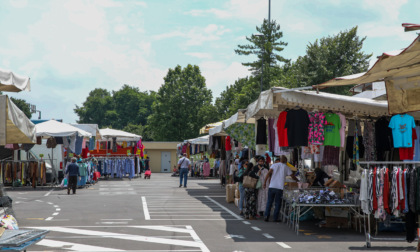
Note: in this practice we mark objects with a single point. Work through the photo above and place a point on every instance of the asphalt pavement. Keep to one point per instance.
(157, 215)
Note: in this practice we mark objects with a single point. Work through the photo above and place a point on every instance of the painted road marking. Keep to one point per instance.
(197, 243)
(56, 206)
(48, 193)
(117, 219)
(72, 246)
(247, 222)
(145, 209)
(268, 236)
(224, 208)
(17, 202)
(113, 189)
(256, 228)
(58, 209)
(118, 193)
(49, 218)
(39, 200)
(111, 222)
(284, 245)
(54, 214)
(35, 218)
(232, 236)
(49, 203)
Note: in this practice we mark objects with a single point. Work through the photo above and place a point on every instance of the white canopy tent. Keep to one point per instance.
(119, 134)
(199, 140)
(93, 129)
(11, 82)
(15, 126)
(238, 118)
(53, 128)
(218, 130)
(273, 101)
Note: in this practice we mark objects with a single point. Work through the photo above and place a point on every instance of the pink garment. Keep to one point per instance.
(343, 129)
(206, 169)
(84, 143)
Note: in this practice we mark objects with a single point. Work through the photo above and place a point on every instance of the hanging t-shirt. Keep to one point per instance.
(383, 137)
(228, 144)
(281, 130)
(261, 131)
(297, 124)
(417, 145)
(401, 126)
(408, 153)
(317, 123)
(332, 130)
(342, 129)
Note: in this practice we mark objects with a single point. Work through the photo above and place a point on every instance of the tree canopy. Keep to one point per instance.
(182, 105)
(22, 105)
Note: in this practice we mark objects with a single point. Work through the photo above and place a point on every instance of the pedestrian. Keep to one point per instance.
(276, 177)
(232, 169)
(184, 165)
(243, 164)
(262, 192)
(251, 194)
(147, 163)
(73, 172)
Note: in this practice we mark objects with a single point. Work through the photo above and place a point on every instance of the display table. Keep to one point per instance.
(20, 240)
(292, 211)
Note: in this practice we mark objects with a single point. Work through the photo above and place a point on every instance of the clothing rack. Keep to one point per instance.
(367, 232)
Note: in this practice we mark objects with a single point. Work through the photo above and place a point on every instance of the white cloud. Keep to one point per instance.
(375, 30)
(217, 12)
(200, 55)
(389, 9)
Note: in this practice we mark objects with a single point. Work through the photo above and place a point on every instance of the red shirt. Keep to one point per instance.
(408, 153)
(375, 200)
(228, 145)
(386, 192)
(281, 130)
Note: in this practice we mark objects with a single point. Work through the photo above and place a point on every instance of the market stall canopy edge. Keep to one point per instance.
(11, 82)
(52, 128)
(108, 133)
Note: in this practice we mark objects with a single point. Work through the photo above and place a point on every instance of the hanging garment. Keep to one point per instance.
(282, 130)
(380, 213)
(386, 192)
(356, 154)
(271, 135)
(350, 139)
(408, 153)
(370, 190)
(412, 191)
(406, 187)
(383, 137)
(394, 191)
(317, 123)
(51, 143)
(114, 144)
(331, 156)
(364, 197)
(369, 140)
(401, 126)
(228, 144)
(261, 131)
(297, 124)
(276, 139)
(332, 130)
(342, 129)
(375, 186)
(78, 145)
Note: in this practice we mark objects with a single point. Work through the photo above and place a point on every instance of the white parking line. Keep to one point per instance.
(247, 222)
(48, 193)
(268, 236)
(145, 209)
(54, 214)
(284, 245)
(49, 218)
(58, 209)
(256, 228)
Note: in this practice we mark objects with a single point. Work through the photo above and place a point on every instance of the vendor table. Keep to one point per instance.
(291, 211)
(20, 240)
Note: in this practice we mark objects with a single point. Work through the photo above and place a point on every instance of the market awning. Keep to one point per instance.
(199, 140)
(119, 134)
(205, 129)
(15, 128)
(52, 128)
(93, 129)
(238, 118)
(273, 101)
(11, 82)
(401, 72)
(218, 130)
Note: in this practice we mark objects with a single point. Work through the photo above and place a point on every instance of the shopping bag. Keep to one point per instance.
(249, 182)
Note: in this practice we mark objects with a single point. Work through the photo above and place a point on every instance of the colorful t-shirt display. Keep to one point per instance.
(317, 123)
(332, 130)
(281, 130)
(401, 126)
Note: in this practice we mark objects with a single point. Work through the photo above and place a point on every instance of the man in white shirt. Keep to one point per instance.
(184, 165)
(277, 176)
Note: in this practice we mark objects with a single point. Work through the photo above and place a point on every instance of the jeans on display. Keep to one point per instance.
(183, 174)
(242, 197)
(274, 195)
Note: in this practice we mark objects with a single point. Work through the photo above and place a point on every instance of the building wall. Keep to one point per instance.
(154, 152)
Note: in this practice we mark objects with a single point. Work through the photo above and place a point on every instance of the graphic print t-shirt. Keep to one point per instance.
(332, 130)
(401, 126)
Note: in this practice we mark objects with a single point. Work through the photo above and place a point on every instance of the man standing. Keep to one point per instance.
(277, 176)
(184, 165)
(73, 171)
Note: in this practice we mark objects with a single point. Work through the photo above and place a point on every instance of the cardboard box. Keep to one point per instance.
(336, 222)
(230, 193)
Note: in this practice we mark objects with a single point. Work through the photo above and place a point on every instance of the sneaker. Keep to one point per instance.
(241, 213)
(266, 219)
(180, 185)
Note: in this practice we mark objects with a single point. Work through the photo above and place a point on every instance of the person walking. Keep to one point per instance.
(276, 177)
(242, 166)
(262, 192)
(251, 194)
(73, 172)
(184, 165)
(147, 163)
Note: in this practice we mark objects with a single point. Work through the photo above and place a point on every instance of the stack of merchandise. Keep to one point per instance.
(237, 194)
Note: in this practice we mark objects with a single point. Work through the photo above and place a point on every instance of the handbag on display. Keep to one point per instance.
(249, 182)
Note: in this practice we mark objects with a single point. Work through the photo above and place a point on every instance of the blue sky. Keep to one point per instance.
(68, 48)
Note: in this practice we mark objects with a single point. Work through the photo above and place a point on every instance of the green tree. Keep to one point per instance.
(267, 46)
(331, 57)
(176, 111)
(96, 108)
(138, 129)
(22, 105)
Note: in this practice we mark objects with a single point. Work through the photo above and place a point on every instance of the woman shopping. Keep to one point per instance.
(262, 192)
(251, 194)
